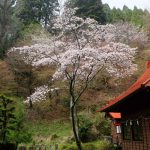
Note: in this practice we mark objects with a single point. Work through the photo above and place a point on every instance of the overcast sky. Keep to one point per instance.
(130, 3)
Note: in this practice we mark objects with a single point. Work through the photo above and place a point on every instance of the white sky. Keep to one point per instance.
(130, 3)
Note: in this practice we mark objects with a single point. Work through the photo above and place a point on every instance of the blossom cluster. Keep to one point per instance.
(38, 95)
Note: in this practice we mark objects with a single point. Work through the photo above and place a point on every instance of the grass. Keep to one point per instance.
(47, 133)
(44, 132)
(95, 145)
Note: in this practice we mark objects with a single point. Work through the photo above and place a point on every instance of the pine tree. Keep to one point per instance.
(7, 118)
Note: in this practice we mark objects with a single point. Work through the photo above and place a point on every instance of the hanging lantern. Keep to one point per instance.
(127, 123)
(137, 122)
(118, 129)
(131, 123)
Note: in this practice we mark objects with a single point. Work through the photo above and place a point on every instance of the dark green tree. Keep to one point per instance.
(127, 13)
(12, 127)
(8, 25)
(135, 16)
(37, 11)
(108, 13)
(89, 8)
(7, 118)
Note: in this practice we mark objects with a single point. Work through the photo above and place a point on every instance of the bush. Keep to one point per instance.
(102, 124)
(85, 128)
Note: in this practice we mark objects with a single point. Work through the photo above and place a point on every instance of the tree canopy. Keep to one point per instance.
(90, 8)
(37, 11)
(7, 25)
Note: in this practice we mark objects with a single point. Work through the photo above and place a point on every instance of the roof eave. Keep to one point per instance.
(107, 108)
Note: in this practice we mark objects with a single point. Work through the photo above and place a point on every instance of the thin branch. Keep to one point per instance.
(86, 85)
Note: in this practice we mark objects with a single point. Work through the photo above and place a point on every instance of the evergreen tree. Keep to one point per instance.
(90, 8)
(108, 13)
(12, 127)
(7, 118)
(137, 17)
(127, 13)
(7, 25)
(37, 11)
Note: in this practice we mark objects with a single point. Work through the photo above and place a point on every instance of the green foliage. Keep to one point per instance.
(102, 124)
(85, 128)
(46, 132)
(12, 121)
(21, 133)
(135, 16)
(104, 14)
(7, 118)
(107, 11)
(69, 147)
(96, 145)
(30, 31)
(37, 11)
(9, 25)
(89, 146)
(92, 127)
(90, 8)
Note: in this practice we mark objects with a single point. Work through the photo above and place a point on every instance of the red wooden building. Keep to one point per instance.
(134, 107)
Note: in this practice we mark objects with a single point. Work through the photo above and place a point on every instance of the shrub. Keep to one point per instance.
(102, 124)
(85, 128)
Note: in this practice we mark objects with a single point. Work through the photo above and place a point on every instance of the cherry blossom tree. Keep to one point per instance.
(81, 49)
(129, 34)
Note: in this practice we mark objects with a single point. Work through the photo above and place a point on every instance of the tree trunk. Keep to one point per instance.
(30, 103)
(30, 87)
(74, 127)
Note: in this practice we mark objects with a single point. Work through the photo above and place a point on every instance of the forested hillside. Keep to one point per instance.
(60, 65)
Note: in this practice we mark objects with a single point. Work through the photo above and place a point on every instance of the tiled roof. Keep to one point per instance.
(144, 80)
